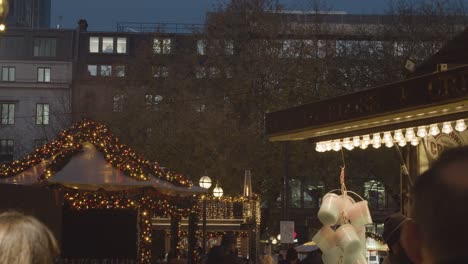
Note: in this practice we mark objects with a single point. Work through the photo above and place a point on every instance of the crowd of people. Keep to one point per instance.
(436, 233)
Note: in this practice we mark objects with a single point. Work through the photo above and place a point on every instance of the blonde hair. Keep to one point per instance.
(25, 240)
(266, 259)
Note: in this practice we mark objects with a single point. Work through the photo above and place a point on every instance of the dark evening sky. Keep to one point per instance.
(102, 15)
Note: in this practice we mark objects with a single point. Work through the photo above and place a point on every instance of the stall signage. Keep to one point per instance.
(436, 145)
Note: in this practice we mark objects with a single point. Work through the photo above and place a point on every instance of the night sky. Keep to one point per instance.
(102, 15)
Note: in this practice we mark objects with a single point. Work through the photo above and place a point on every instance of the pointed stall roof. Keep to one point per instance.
(88, 157)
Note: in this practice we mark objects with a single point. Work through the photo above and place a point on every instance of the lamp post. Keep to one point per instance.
(205, 182)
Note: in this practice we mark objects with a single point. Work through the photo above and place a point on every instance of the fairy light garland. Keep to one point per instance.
(236, 207)
(147, 203)
(70, 141)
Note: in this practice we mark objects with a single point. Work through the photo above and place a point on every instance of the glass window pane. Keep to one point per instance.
(229, 47)
(107, 45)
(47, 75)
(39, 114)
(93, 44)
(120, 71)
(106, 70)
(201, 45)
(157, 46)
(45, 117)
(11, 114)
(166, 46)
(40, 74)
(5, 114)
(5, 74)
(12, 73)
(92, 70)
(121, 45)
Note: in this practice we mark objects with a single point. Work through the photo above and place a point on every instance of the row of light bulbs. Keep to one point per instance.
(400, 138)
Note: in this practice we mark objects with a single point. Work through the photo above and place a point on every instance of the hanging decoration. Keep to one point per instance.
(60, 150)
(342, 238)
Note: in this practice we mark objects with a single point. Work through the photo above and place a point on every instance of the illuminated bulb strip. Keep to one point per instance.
(447, 128)
(460, 126)
(410, 136)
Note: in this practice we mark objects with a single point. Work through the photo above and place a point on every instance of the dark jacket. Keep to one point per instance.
(220, 254)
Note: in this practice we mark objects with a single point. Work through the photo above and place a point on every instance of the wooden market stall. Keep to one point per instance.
(97, 177)
(421, 115)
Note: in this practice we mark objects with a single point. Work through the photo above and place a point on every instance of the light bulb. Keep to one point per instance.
(460, 126)
(402, 143)
(376, 145)
(320, 147)
(336, 145)
(398, 135)
(434, 130)
(415, 141)
(328, 145)
(363, 146)
(409, 135)
(387, 136)
(366, 139)
(389, 143)
(447, 128)
(356, 141)
(347, 144)
(422, 132)
(376, 138)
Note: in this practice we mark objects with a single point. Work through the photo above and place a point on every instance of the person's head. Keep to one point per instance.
(440, 195)
(266, 259)
(393, 225)
(25, 240)
(229, 241)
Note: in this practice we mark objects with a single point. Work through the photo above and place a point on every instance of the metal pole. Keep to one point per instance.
(204, 227)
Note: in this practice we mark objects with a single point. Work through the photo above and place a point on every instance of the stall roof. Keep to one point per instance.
(435, 97)
(89, 157)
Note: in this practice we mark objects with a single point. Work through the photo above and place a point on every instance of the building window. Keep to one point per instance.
(107, 45)
(214, 72)
(43, 74)
(39, 143)
(321, 49)
(200, 72)
(162, 46)
(105, 70)
(93, 44)
(152, 101)
(201, 47)
(8, 113)
(42, 114)
(8, 74)
(6, 149)
(121, 45)
(374, 192)
(92, 70)
(160, 71)
(120, 71)
(118, 105)
(45, 47)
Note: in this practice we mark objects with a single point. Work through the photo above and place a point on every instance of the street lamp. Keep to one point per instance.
(205, 182)
(218, 191)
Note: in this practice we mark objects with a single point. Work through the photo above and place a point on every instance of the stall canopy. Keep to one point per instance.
(418, 106)
(88, 157)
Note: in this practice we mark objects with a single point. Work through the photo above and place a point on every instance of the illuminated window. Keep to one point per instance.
(43, 74)
(42, 114)
(152, 101)
(121, 45)
(120, 71)
(94, 44)
(8, 113)
(374, 192)
(107, 45)
(105, 70)
(8, 74)
(92, 70)
(162, 46)
(201, 47)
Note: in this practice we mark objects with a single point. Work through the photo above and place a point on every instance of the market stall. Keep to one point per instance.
(93, 170)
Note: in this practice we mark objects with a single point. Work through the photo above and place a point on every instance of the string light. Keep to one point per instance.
(398, 136)
(460, 125)
(402, 143)
(409, 135)
(356, 142)
(422, 132)
(434, 130)
(415, 141)
(336, 145)
(447, 128)
(389, 143)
